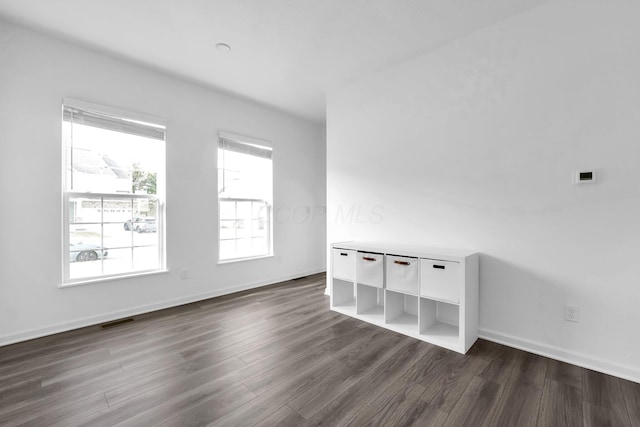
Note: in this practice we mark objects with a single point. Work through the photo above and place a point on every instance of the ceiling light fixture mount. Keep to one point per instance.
(223, 47)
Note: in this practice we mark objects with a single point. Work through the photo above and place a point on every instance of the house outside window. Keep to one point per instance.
(245, 198)
(114, 180)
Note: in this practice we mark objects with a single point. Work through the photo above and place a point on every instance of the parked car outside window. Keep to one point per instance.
(128, 224)
(149, 225)
(85, 252)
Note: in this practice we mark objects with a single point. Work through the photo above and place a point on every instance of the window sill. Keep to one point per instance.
(112, 278)
(234, 260)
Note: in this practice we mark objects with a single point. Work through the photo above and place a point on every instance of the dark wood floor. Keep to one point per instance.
(277, 356)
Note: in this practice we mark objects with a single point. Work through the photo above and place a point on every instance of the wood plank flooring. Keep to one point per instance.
(276, 356)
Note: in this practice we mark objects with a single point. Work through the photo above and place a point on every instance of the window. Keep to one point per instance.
(114, 172)
(245, 187)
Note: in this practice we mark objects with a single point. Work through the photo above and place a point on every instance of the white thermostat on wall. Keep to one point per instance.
(585, 176)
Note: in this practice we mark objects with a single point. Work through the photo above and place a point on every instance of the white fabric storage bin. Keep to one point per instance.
(370, 269)
(440, 280)
(344, 264)
(402, 274)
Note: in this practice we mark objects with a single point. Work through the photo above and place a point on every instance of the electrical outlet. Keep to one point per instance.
(572, 313)
(184, 273)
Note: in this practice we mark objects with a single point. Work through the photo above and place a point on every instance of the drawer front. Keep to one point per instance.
(370, 269)
(344, 264)
(440, 280)
(402, 274)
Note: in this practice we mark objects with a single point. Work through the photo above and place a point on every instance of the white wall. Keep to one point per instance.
(36, 72)
(473, 146)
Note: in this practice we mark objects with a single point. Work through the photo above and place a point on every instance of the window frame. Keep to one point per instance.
(270, 204)
(68, 195)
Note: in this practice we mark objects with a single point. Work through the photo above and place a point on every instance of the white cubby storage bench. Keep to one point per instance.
(426, 293)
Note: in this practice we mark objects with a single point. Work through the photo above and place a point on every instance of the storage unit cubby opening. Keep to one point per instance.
(370, 303)
(342, 293)
(439, 321)
(401, 311)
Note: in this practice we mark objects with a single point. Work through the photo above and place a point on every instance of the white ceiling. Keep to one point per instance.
(285, 53)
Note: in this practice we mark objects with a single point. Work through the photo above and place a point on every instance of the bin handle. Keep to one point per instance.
(366, 258)
(402, 262)
(438, 266)
(344, 254)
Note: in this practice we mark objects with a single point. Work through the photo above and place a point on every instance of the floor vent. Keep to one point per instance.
(116, 323)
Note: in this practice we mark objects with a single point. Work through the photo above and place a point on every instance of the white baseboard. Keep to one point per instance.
(133, 311)
(631, 373)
